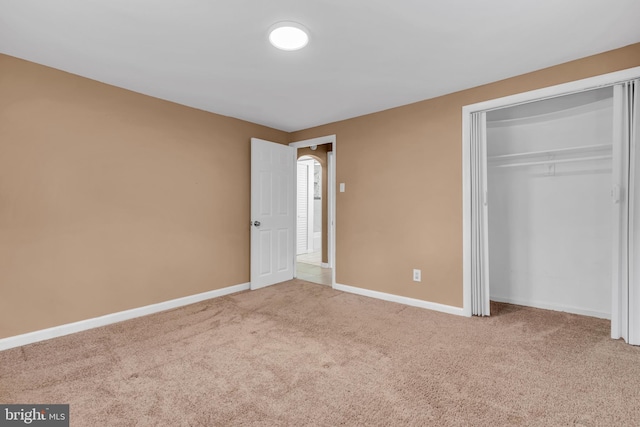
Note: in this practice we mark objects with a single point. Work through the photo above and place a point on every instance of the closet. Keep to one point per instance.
(551, 200)
(549, 181)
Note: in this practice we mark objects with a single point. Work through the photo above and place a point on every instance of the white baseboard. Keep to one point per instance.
(400, 299)
(554, 307)
(324, 265)
(83, 325)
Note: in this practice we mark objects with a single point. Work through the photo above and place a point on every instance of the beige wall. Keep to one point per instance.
(111, 200)
(402, 208)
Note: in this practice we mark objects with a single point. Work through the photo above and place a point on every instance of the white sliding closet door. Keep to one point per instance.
(479, 215)
(626, 193)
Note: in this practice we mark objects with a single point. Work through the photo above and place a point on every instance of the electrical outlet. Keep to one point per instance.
(417, 275)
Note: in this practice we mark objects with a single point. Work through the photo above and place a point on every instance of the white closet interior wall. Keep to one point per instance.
(549, 198)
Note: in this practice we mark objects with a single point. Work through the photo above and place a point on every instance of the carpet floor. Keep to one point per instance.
(298, 354)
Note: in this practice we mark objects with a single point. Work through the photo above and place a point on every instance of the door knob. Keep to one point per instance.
(256, 223)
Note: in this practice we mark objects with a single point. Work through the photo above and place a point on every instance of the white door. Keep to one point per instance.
(625, 316)
(272, 212)
(331, 194)
(305, 207)
(620, 195)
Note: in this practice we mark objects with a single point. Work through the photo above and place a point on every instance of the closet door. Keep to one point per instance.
(620, 197)
(625, 321)
(480, 304)
(632, 91)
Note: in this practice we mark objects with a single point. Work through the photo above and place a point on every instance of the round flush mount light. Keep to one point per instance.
(288, 35)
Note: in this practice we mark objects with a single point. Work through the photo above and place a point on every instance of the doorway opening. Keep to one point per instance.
(315, 210)
(309, 210)
(550, 214)
(311, 214)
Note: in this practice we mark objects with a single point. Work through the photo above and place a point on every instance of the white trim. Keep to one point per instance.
(324, 265)
(328, 139)
(331, 205)
(632, 126)
(590, 83)
(466, 213)
(400, 299)
(553, 307)
(108, 319)
(554, 91)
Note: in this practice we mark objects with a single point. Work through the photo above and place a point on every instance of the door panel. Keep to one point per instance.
(272, 212)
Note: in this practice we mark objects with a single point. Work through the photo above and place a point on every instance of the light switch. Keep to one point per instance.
(342, 187)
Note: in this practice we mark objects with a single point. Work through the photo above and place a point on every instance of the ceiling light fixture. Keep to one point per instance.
(288, 35)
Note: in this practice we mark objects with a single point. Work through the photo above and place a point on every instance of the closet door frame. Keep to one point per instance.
(620, 294)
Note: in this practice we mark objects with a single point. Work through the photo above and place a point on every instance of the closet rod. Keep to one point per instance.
(550, 161)
(597, 147)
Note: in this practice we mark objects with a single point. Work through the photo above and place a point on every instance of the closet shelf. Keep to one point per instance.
(553, 161)
(562, 151)
(550, 157)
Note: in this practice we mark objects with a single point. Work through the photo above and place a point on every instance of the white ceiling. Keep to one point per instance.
(363, 56)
